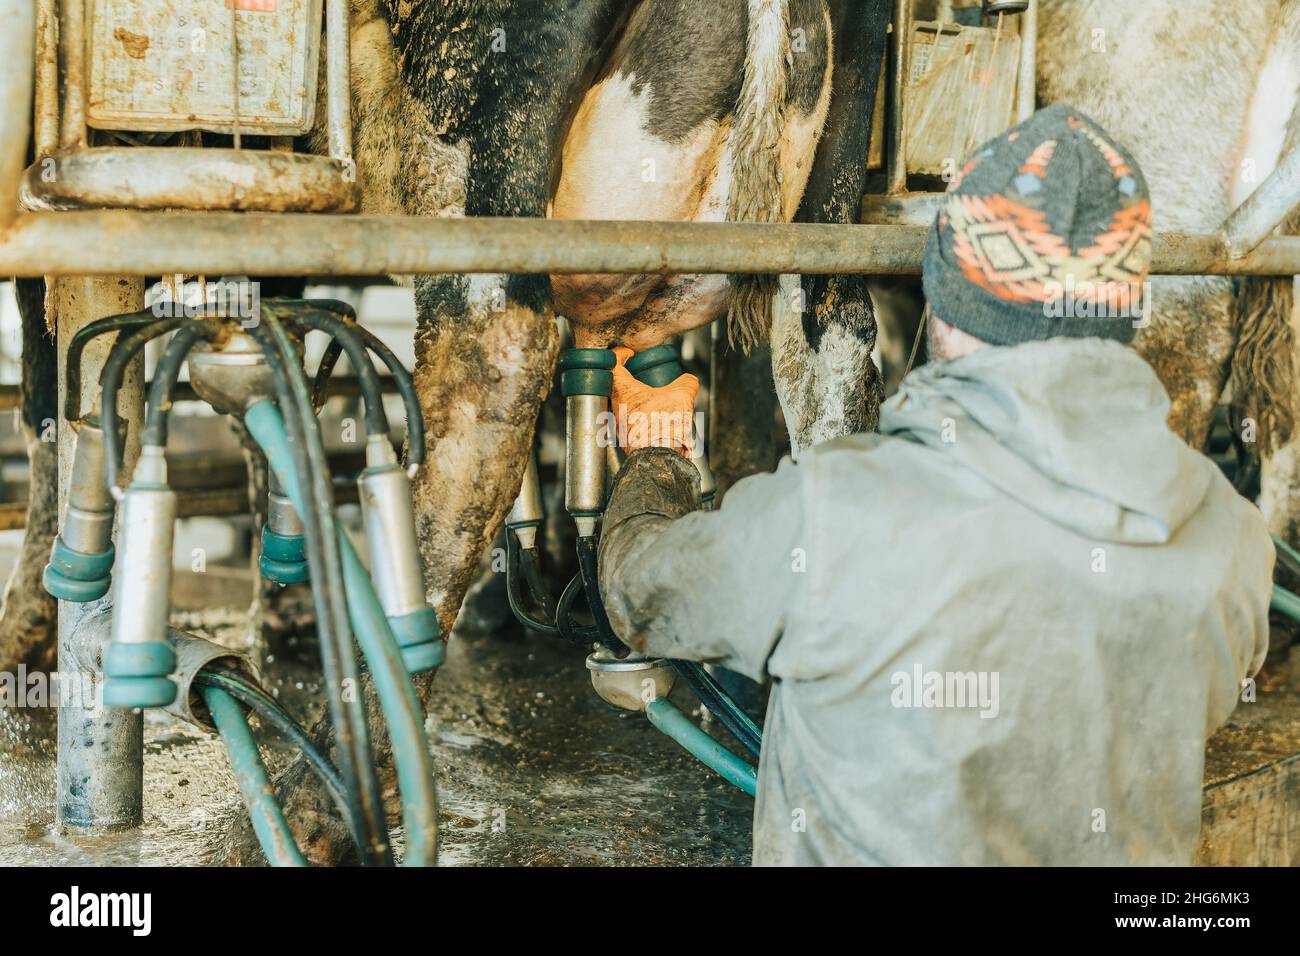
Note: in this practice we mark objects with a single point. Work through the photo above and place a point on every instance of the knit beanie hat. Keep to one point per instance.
(1045, 232)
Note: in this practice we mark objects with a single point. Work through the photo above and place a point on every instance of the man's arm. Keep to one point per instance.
(703, 586)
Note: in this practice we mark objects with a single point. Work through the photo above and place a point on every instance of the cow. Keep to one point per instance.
(752, 110)
(1207, 104)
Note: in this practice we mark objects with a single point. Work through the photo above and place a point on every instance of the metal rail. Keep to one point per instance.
(121, 242)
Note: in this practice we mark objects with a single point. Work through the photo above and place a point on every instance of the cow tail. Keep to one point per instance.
(756, 178)
(1263, 373)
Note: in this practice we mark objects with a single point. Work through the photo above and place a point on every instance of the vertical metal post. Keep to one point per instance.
(47, 77)
(338, 79)
(1026, 80)
(17, 67)
(100, 751)
(902, 27)
(72, 47)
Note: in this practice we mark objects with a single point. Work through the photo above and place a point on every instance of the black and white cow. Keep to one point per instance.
(658, 109)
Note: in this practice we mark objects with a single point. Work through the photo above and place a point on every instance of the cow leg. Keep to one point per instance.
(27, 622)
(823, 328)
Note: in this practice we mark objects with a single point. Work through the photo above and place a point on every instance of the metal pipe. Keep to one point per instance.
(72, 47)
(100, 770)
(1027, 78)
(47, 78)
(17, 68)
(100, 751)
(338, 97)
(900, 28)
(113, 242)
(1273, 200)
(164, 177)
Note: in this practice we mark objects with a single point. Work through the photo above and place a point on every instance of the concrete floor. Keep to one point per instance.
(533, 768)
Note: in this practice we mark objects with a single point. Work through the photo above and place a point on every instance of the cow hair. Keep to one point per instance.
(756, 179)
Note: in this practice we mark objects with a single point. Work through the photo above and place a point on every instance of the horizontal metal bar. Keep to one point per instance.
(118, 242)
(163, 177)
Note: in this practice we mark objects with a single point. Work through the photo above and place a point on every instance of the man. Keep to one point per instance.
(999, 631)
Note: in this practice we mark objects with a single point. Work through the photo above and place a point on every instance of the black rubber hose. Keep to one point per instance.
(337, 657)
(124, 350)
(272, 714)
(352, 343)
(583, 635)
(320, 386)
(515, 558)
(720, 704)
(530, 564)
(165, 374)
(591, 584)
(341, 312)
(72, 362)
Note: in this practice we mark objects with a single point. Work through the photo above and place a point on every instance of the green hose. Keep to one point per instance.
(268, 820)
(1284, 602)
(397, 694)
(1287, 553)
(665, 716)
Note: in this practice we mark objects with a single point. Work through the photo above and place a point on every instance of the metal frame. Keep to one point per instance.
(166, 177)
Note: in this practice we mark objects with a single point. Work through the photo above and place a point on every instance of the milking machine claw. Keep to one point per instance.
(252, 372)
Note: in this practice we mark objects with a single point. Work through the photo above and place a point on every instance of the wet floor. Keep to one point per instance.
(533, 769)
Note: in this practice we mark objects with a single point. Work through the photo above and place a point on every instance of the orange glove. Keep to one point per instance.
(650, 417)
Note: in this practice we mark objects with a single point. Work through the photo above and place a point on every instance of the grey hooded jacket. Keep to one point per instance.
(999, 632)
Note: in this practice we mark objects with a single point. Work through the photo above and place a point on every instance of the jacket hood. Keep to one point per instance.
(1074, 429)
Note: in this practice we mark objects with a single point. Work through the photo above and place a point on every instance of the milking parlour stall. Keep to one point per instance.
(650, 434)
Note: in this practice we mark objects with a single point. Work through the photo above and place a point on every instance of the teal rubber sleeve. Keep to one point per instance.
(73, 575)
(667, 718)
(254, 785)
(418, 636)
(587, 371)
(73, 589)
(78, 564)
(397, 696)
(1284, 602)
(656, 367)
(136, 674)
(282, 572)
(287, 548)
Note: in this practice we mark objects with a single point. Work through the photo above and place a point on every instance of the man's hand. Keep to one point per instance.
(650, 417)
